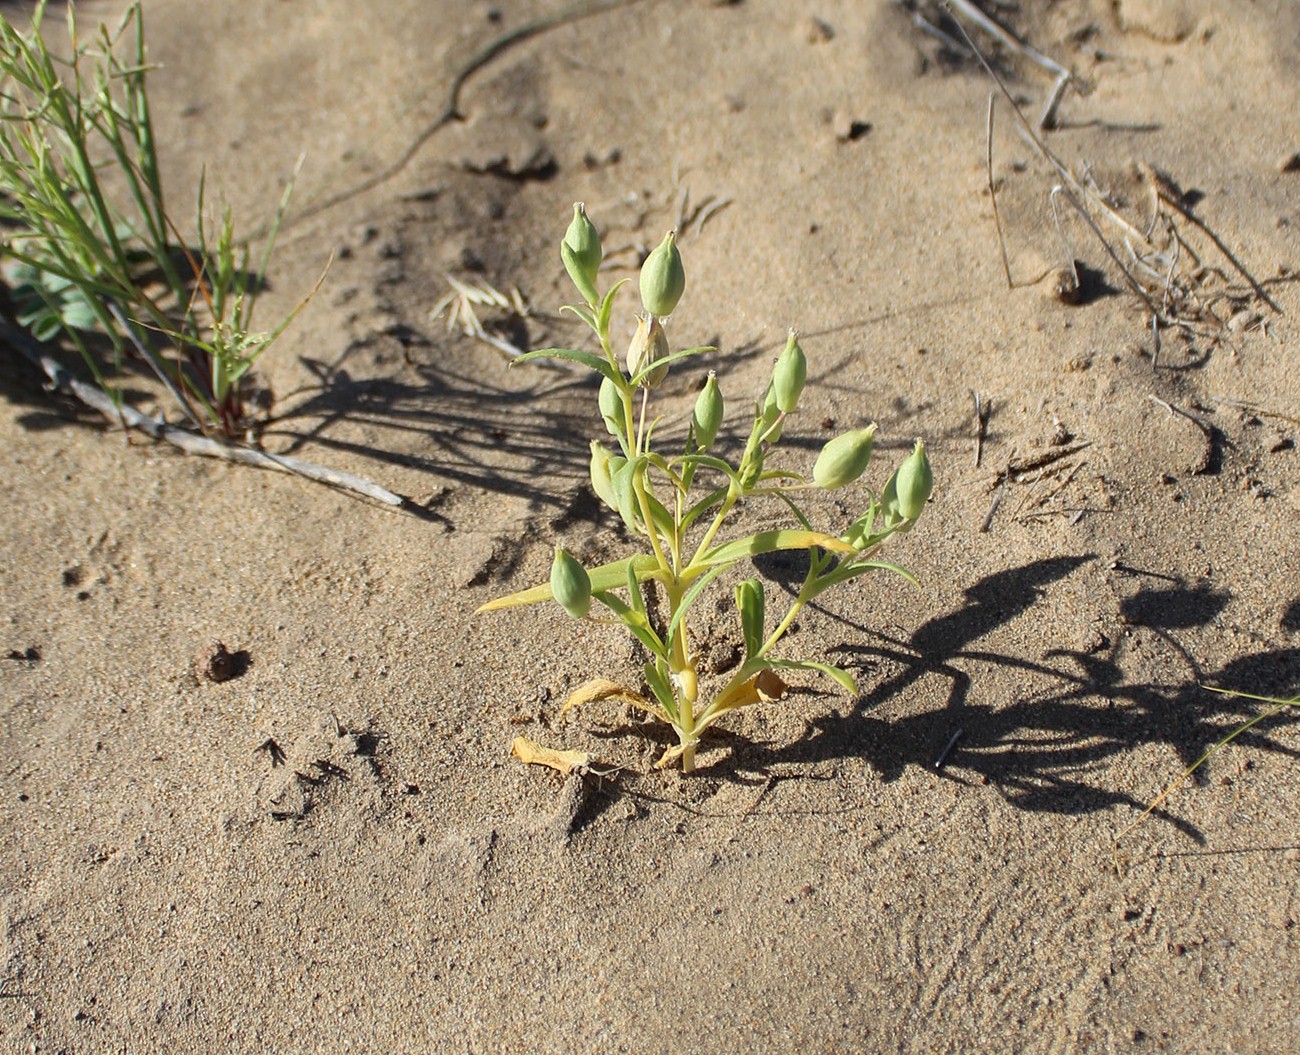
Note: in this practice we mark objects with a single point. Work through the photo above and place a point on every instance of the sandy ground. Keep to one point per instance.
(817, 885)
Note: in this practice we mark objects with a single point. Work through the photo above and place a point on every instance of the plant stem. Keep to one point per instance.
(723, 510)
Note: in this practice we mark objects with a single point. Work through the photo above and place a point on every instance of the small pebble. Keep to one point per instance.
(1060, 285)
(1290, 162)
(217, 663)
(846, 127)
(818, 31)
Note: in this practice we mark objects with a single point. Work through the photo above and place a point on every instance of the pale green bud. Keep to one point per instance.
(611, 407)
(707, 416)
(649, 345)
(844, 458)
(752, 604)
(662, 277)
(789, 376)
(602, 475)
(914, 482)
(570, 584)
(581, 253)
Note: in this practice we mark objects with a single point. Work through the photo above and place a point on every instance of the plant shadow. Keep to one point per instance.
(1048, 750)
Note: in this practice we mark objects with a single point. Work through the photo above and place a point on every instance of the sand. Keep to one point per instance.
(817, 885)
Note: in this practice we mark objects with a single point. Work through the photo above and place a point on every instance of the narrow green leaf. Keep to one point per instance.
(841, 676)
(642, 374)
(588, 359)
(663, 691)
(860, 568)
(709, 461)
(634, 593)
(688, 599)
(751, 602)
(770, 542)
(705, 504)
(583, 314)
(637, 624)
(607, 307)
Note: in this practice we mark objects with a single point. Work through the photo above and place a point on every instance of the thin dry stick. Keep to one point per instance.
(1183, 413)
(1070, 185)
(1254, 408)
(993, 194)
(993, 506)
(1175, 203)
(98, 400)
(981, 424)
(999, 33)
(1047, 498)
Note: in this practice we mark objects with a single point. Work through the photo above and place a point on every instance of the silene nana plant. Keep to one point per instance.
(679, 503)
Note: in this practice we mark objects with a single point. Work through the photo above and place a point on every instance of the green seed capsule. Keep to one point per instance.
(789, 376)
(649, 345)
(663, 278)
(581, 253)
(602, 476)
(844, 458)
(706, 419)
(570, 585)
(752, 606)
(914, 482)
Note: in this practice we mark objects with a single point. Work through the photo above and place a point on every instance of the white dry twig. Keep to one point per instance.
(203, 446)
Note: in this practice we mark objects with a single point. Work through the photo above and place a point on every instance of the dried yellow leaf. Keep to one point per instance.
(533, 754)
(604, 689)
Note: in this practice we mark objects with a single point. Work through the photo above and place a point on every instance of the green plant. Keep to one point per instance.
(681, 523)
(87, 238)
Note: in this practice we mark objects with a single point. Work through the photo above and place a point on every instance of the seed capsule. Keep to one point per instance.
(581, 253)
(663, 278)
(789, 376)
(570, 584)
(844, 458)
(914, 482)
(707, 416)
(752, 606)
(649, 345)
